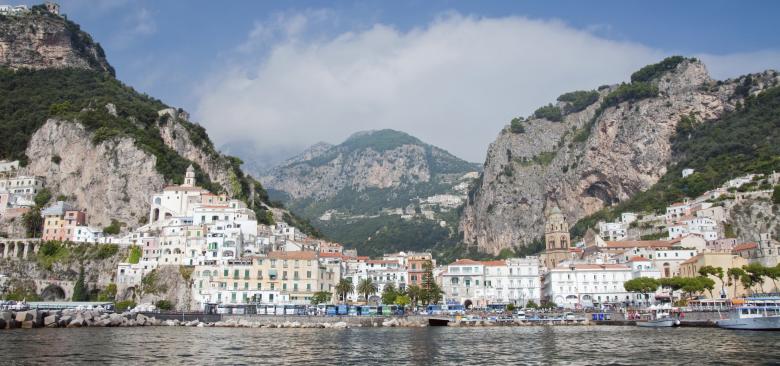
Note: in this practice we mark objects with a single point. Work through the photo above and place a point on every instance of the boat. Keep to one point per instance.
(753, 318)
(658, 318)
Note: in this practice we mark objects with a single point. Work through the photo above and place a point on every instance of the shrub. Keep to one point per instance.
(112, 229)
(164, 305)
(578, 100)
(776, 195)
(516, 126)
(125, 305)
(135, 255)
(629, 92)
(105, 251)
(549, 112)
(42, 197)
(56, 159)
(653, 71)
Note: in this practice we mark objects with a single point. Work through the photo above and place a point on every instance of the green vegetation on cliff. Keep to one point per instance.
(549, 112)
(578, 100)
(740, 142)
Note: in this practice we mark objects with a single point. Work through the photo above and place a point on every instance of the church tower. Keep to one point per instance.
(189, 177)
(556, 238)
(556, 230)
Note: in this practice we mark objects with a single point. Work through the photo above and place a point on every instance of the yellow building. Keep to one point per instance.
(278, 278)
(725, 260)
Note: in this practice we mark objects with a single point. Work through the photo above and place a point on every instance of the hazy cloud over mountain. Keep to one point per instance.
(454, 82)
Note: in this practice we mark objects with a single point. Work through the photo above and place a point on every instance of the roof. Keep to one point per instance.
(184, 188)
(592, 266)
(381, 261)
(330, 255)
(497, 263)
(465, 261)
(293, 255)
(744, 246)
(693, 259)
(58, 209)
(638, 244)
(677, 204)
(638, 259)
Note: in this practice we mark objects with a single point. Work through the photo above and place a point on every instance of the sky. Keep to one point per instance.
(269, 78)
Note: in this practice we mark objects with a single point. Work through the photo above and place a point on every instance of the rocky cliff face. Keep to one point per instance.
(584, 164)
(176, 136)
(373, 160)
(39, 40)
(112, 180)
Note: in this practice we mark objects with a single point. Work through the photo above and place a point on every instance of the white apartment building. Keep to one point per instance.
(23, 185)
(86, 234)
(480, 283)
(582, 285)
(381, 272)
(666, 260)
(703, 226)
(513, 281)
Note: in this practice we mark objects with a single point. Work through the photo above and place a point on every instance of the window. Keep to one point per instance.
(308, 274)
(225, 274)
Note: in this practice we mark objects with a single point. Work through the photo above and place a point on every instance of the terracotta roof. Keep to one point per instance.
(466, 261)
(330, 255)
(677, 204)
(638, 259)
(744, 246)
(638, 244)
(693, 259)
(293, 255)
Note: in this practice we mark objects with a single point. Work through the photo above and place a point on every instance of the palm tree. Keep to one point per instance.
(366, 287)
(414, 291)
(344, 288)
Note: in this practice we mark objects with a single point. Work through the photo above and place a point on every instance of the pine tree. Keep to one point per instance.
(80, 292)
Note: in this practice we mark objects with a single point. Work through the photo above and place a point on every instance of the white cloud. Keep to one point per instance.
(138, 23)
(454, 83)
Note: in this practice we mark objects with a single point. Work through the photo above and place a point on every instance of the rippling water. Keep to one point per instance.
(390, 346)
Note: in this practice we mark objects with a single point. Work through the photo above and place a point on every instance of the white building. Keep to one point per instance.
(703, 226)
(23, 185)
(480, 283)
(581, 285)
(686, 172)
(86, 234)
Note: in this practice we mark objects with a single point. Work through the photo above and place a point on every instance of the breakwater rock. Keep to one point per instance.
(71, 318)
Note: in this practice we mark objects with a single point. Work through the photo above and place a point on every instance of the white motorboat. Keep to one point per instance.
(658, 318)
(753, 318)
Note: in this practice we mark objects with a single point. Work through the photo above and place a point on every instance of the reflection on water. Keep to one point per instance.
(390, 346)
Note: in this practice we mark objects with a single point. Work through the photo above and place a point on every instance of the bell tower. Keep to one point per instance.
(556, 237)
(189, 177)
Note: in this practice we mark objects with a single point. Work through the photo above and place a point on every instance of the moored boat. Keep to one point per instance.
(658, 318)
(753, 318)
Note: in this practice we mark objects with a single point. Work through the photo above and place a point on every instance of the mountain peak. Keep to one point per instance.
(38, 38)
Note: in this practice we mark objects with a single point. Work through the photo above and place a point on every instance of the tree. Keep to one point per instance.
(389, 294)
(706, 283)
(531, 304)
(414, 292)
(366, 287)
(776, 195)
(320, 297)
(112, 229)
(773, 273)
(33, 222)
(164, 305)
(754, 275)
(80, 292)
(344, 288)
(642, 285)
(108, 294)
(403, 300)
(707, 271)
(433, 294)
(734, 275)
(42, 197)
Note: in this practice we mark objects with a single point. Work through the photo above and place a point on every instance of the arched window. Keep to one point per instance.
(564, 242)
